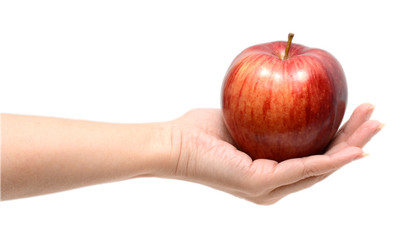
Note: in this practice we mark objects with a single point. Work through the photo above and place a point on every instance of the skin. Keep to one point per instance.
(43, 155)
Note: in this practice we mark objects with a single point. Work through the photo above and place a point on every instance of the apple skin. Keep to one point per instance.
(279, 109)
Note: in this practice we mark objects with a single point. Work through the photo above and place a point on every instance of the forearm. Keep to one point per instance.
(42, 155)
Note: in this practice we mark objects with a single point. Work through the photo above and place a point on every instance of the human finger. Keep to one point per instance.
(280, 192)
(360, 115)
(360, 137)
(283, 191)
(364, 133)
(294, 170)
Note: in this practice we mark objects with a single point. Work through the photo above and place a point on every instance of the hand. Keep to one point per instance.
(206, 154)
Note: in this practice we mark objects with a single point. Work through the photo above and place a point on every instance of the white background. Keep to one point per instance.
(145, 61)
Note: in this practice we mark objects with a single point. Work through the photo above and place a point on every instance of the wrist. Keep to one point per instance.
(156, 148)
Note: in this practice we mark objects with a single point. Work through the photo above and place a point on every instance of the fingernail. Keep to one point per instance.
(370, 111)
(381, 126)
(362, 156)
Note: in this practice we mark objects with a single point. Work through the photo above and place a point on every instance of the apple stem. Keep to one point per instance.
(289, 42)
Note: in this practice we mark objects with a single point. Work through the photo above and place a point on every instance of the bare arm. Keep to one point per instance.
(42, 155)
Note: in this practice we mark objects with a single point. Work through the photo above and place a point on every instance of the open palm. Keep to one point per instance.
(207, 155)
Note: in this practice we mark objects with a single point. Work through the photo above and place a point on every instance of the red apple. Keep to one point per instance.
(282, 100)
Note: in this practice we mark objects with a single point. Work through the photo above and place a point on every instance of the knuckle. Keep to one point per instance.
(255, 190)
(307, 171)
(264, 201)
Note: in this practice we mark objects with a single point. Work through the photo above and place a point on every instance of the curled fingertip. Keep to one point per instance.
(381, 126)
(370, 111)
(378, 126)
(363, 155)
